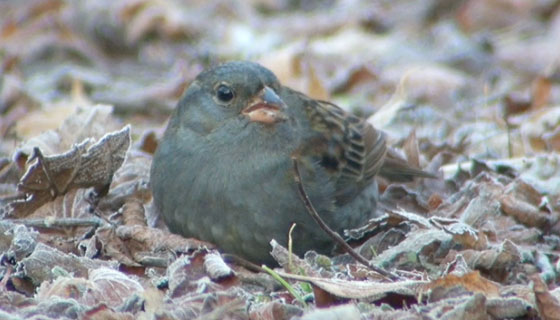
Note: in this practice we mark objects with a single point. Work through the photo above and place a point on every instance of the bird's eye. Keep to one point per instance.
(224, 93)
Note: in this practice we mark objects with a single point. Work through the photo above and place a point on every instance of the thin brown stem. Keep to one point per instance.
(333, 234)
(242, 262)
(59, 223)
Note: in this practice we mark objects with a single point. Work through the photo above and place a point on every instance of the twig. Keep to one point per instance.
(290, 245)
(59, 222)
(334, 235)
(242, 262)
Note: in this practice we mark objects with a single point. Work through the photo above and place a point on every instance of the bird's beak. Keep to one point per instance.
(266, 107)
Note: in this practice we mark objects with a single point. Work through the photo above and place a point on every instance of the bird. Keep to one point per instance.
(223, 170)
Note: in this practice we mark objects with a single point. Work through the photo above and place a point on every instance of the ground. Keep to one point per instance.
(467, 89)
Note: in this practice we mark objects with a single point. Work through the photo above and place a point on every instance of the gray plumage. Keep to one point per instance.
(221, 177)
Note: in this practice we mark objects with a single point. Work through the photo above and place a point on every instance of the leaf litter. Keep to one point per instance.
(469, 90)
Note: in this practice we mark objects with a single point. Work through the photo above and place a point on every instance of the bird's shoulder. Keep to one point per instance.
(348, 147)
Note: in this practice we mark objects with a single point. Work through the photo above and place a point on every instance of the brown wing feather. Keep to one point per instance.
(397, 169)
(355, 148)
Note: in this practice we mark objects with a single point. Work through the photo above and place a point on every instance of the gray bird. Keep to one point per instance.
(223, 171)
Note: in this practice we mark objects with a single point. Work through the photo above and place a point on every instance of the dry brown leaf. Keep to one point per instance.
(472, 282)
(46, 263)
(130, 186)
(500, 264)
(182, 272)
(549, 306)
(404, 196)
(510, 308)
(187, 275)
(84, 166)
(323, 298)
(363, 289)
(526, 213)
(462, 233)
(524, 191)
(275, 310)
(215, 267)
(140, 245)
(466, 307)
(398, 244)
(133, 212)
(72, 207)
(103, 285)
(138, 55)
(418, 248)
(373, 224)
(105, 242)
(467, 237)
(155, 239)
(541, 92)
(383, 240)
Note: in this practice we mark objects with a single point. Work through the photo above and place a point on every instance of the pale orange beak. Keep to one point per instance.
(266, 107)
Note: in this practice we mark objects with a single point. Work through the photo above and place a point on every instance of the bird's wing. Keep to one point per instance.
(348, 147)
(397, 169)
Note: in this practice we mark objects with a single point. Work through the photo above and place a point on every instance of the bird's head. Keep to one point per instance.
(234, 91)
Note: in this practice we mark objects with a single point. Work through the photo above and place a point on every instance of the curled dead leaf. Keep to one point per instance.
(363, 289)
(472, 282)
(85, 165)
(548, 305)
(104, 285)
(526, 213)
(215, 266)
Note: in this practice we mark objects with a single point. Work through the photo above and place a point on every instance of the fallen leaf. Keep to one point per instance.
(363, 289)
(549, 306)
(103, 285)
(86, 165)
(472, 282)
